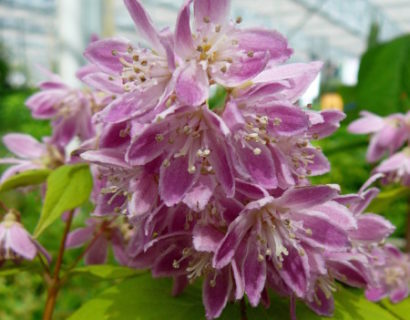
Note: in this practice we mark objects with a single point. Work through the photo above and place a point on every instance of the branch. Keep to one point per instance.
(55, 281)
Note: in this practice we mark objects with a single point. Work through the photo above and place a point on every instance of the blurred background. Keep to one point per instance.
(365, 45)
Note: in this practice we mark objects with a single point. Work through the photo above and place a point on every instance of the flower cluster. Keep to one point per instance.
(192, 189)
(389, 134)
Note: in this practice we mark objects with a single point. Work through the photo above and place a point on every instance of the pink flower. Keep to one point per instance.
(103, 232)
(15, 242)
(389, 133)
(31, 154)
(396, 168)
(192, 144)
(69, 109)
(280, 232)
(391, 269)
(217, 51)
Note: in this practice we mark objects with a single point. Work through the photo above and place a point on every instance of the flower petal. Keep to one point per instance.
(184, 44)
(79, 237)
(294, 271)
(265, 41)
(254, 273)
(143, 23)
(206, 238)
(260, 168)
(216, 296)
(24, 145)
(372, 227)
(105, 54)
(175, 180)
(97, 253)
(192, 85)
(306, 197)
(213, 11)
(236, 231)
(21, 242)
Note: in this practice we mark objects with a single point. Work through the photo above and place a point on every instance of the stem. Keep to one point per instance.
(407, 248)
(55, 281)
(3, 206)
(242, 305)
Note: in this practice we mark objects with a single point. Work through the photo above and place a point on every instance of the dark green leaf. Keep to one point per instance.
(13, 269)
(383, 81)
(107, 271)
(68, 187)
(142, 298)
(24, 179)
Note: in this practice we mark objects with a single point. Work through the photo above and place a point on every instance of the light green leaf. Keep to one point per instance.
(350, 304)
(401, 310)
(25, 178)
(142, 298)
(385, 198)
(107, 271)
(68, 187)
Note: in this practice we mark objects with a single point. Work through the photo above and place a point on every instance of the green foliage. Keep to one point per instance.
(384, 77)
(142, 298)
(106, 271)
(26, 178)
(385, 198)
(217, 100)
(68, 187)
(400, 310)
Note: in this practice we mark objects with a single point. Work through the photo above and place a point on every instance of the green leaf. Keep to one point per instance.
(13, 269)
(142, 298)
(217, 100)
(350, 304)
(107, 271)
(386, 198)
(24, 179)
(400, 310)
(68, 187)
(383, 80)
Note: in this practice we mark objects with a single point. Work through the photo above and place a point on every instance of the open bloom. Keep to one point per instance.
(217, 51)
(15, 242)
(281, 232)
(396, 168)
(389, 133)
(69, 109)
(392, 274)
(101, 232)
(192, 144)
(31, 154)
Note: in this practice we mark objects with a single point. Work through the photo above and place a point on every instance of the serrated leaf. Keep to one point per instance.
(68, 187)
(25, 178)
(107, 271)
